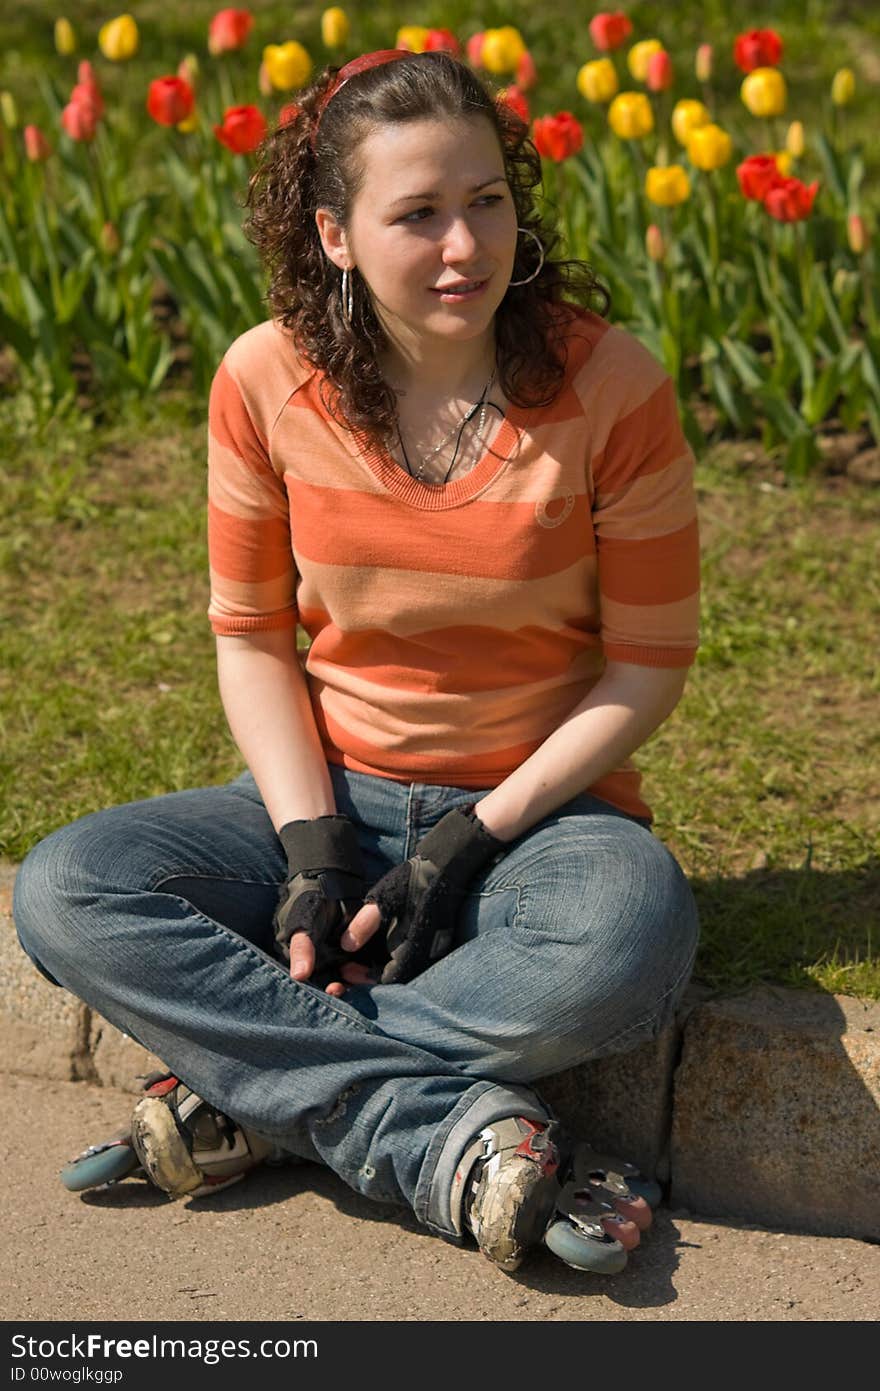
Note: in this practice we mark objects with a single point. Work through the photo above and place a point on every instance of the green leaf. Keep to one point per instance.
(854, 179)
(853, 406)
(746, 362)
(795, 340)
(801, 456)
(779, 410)
(17, 335)
(734, 406)
(820, 282)
(73, 286)
(830, 163)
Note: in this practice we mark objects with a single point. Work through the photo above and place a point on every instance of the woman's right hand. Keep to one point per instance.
(324, 890)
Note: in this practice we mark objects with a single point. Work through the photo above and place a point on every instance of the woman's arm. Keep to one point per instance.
(267, 704)
(625, 706)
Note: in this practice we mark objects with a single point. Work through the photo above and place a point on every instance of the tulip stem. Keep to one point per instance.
(103, 214)
(714, 245)
(804, 259)
(871, 320)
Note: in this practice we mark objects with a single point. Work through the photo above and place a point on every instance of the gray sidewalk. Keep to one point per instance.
(294, 1243)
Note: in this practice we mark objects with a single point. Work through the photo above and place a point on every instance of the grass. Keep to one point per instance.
(762, 782)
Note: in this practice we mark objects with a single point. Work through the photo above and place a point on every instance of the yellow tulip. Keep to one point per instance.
(843, 86)
(687, 115)
(334, 27)
(412, 37)
(190, 124)
(794, 139)
(287, 65)
(65, 38)
(783, 162)
(630, 116)
(8, 110)
(597, 81)
(637, 58)
(118, 39)
(709, 147)
(667, 185)
(763, 92)
(502, 49)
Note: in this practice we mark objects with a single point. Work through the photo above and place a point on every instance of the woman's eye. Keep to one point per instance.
(487, 198)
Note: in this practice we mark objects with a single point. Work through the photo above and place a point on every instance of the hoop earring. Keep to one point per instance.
(347, 297)
(540, 265)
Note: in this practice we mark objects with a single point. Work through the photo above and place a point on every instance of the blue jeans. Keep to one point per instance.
(158, 915)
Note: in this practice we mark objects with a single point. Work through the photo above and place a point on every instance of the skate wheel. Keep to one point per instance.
(583, 1252)
(105, 1166)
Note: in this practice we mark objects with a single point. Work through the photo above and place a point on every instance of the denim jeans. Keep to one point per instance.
(157, 914)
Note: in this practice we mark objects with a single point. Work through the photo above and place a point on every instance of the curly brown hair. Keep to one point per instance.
(292, 180)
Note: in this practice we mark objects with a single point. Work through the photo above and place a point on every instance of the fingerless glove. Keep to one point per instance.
(324, 889)
(419, 900)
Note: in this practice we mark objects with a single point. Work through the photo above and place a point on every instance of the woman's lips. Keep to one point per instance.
(462, 296)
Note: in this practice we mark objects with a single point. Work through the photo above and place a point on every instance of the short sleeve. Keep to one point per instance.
(645, 524)
(253, 573)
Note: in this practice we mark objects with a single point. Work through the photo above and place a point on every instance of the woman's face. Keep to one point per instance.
(434, 211)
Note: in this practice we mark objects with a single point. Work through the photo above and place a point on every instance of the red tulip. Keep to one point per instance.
(170, 100)
(242, 130)
(442, 41)
(36, 146)
(557, 137)
(516, 100)
(757, 175)
(80, 119)
(610, 30)
(757, 48)
(229, 30)
(790, 200)
(474, 49)
(526, 72)
(87, 88)
(288, 114)
(660, 74)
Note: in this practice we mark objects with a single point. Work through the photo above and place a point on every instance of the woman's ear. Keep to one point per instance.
(333, 239)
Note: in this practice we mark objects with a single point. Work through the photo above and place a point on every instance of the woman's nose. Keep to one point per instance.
(459, 241)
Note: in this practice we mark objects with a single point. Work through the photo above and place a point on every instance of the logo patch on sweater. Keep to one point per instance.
(554, 511)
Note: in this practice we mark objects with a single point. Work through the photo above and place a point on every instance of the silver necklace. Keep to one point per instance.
(480, 406)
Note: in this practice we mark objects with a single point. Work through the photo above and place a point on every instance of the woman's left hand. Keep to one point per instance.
(417, 902)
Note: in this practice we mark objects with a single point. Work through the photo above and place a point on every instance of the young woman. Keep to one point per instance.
(436, 883)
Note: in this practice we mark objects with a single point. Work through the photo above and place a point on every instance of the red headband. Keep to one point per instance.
(357, 65)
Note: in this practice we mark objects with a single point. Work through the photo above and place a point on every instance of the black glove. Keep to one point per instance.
(419, 899)
(325, 888)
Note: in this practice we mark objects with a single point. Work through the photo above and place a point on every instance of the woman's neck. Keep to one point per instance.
(454, 372)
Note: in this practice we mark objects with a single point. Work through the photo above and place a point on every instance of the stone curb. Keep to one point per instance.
(761, 1107)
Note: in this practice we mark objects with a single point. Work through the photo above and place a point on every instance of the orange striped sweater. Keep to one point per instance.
(454, 628)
